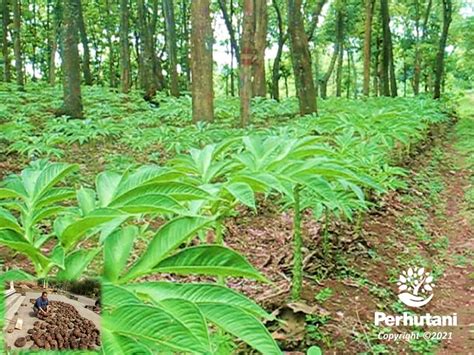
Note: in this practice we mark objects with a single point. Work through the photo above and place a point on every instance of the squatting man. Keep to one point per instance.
(41, 305)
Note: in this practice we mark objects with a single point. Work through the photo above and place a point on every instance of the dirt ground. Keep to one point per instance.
(26, 313)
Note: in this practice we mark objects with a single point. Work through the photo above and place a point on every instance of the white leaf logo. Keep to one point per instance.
(415, 287)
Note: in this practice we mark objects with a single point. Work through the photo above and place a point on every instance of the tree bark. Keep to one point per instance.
(17, 44)
(369, 12)
(201, 61)
(385, 80)
(125, 78)
(261, 20)
(56, 14)
(301, 59)
(315, 17)
(439, 69)
(337, 48)
(230, 29)
(86, 58)
(5, 51)
(277, 62)
(339, 70)
(247, 61)
(419, 42)
(168, 9)
(72, 101)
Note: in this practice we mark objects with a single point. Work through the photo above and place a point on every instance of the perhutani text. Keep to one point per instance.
(407, 319)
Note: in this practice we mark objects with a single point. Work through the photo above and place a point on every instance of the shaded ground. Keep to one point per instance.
(26, 313)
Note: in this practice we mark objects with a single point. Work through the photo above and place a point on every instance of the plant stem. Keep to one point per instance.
(297, 246)
(219, 241)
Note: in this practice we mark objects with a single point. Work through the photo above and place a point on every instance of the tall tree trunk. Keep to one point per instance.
(246, 61)
(261, 20)
(369, 12)
(147, 56)
(109, 28)
(301, 59)
(318, 7)
(17, 44)
(419, 42)
(439, 68)
(86, 58)
(185, 41)
(168, 9)
(393, 77)
(125, 78)
(201, 61)
(5, 51)
(337, 48)
(55, 12)
(277, 62)
(339, 71)
(72, 101)
(385, 79)
(230, 29)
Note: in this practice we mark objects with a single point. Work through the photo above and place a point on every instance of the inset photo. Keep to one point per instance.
(52, 315)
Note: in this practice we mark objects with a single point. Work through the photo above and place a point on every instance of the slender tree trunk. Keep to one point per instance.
(301, 59)
(369, 12)
(393, 77)
(385, 77)
(439, 68)
(109, 27)
(5, 51)
(147, 55)
(246, 61)
(339, 71)
(86, 58)
(418, 46)
(201, 61)
(17, 44)
(168, 9)
(56, 14)
(185, 41)
(72, 105)
(230, 29)
(277, 62)
(259, 83)
(125, 78)
(318, 7)
(337, 48)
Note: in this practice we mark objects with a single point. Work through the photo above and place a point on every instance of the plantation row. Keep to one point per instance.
(347, 157)
(31, 128)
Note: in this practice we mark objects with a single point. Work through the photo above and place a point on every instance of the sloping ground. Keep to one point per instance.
(424, 226)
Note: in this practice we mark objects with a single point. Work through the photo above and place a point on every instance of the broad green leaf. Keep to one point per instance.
(54, 195)
(151, 203)
(106, 184)
(114, 343)
(86, 200)
(177, 190)
(166, 240)
(57, 256)
(76, 263)
(74, 231)
(15, 275)
(51, 175)
(153, 323)
(197, 293)
(8, 193)
(44, 213)
(314, 350)
(189, 315)
(17, 242)
(209, 260)
(243, 193)
(8, 221)
(242, 325)
(117, 248)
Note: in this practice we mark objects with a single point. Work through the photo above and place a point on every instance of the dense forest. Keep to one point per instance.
(243, 176)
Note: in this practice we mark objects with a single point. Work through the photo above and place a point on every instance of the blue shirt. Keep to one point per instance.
(40, 303)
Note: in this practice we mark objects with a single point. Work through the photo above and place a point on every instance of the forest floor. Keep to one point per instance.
(429, 224)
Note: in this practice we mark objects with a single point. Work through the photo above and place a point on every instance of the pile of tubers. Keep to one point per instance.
(62, 329)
